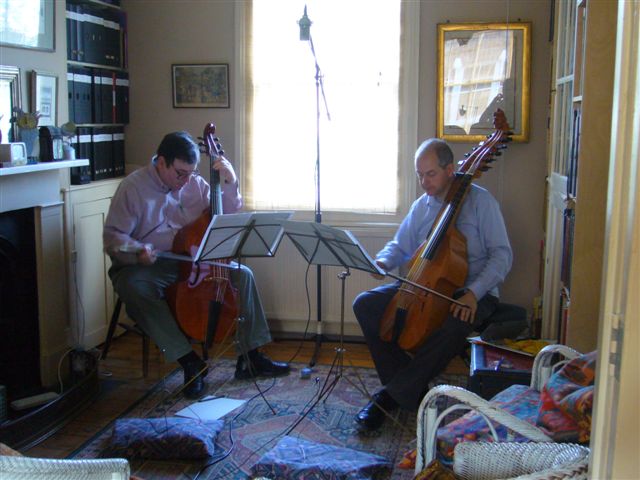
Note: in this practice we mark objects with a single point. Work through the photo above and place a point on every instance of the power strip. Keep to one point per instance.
(34, 401)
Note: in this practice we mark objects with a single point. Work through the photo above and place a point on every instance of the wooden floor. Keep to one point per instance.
(124, 363)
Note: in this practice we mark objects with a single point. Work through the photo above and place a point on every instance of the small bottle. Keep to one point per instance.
(68, 152)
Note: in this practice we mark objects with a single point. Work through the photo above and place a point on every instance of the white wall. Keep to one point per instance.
(166, 32)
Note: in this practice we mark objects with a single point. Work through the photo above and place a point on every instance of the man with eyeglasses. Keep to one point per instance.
(150, 206)
(405, 377)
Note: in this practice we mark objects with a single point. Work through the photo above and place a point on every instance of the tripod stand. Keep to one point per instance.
(305, 34)
(323, 245)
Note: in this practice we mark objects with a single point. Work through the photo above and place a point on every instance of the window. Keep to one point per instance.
(364, 125)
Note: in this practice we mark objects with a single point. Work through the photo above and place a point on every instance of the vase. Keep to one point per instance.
(30, 138)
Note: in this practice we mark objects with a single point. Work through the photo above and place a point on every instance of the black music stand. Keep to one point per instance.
(242, 235)
(320, 244)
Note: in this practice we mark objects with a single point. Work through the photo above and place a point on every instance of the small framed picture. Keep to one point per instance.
(44, 97)
(200, 85)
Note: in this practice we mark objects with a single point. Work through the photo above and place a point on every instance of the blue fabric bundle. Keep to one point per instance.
(295, 458)
(163, 438)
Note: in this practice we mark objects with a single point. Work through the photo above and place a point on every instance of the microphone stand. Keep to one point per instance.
(318, 210)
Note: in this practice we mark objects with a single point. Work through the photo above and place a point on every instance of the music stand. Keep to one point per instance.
(242, 235)
(320, 244)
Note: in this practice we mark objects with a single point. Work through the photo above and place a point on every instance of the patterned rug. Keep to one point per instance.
(253, 429)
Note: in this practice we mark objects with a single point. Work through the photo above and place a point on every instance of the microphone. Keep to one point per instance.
(304, 23)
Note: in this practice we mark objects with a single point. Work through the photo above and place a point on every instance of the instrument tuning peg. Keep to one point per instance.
(489, 160)
(497, 154)
(216, 139)
(484, 169)
(466, 155)
(507, 140)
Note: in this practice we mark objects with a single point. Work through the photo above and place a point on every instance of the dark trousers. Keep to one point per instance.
(406, 376)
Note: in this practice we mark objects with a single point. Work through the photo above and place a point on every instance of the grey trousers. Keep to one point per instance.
(141, 288)
(406, 377)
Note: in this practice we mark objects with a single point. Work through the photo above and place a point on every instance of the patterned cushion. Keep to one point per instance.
(163, 438)
(567, 398)
(295, 458)
(518, 400)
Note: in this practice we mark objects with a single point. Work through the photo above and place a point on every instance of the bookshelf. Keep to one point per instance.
(578, 169)
(98, 86)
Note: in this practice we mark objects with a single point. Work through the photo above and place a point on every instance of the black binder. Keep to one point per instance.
(92, 35)
(82, 95)
(102, 141)
(108, 78)
(80, 27)
(96, 96)
(72, 27)
(118, 151)
(112, 35)
(122, 98)
(70, 94)
(82, 146)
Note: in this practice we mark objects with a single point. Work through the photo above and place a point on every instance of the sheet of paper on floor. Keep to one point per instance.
(210, 408)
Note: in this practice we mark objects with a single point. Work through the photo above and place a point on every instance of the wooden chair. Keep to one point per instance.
(138, 331)
(129, 328)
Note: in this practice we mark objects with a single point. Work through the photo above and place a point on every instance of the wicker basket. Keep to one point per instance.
(524, 461)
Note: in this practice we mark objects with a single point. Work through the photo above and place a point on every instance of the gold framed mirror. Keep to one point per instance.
(482, 67)
(10, 98)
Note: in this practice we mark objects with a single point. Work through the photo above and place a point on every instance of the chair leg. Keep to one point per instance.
(112, 328)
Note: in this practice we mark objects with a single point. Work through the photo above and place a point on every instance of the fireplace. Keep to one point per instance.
(19, 342)
(34, 326)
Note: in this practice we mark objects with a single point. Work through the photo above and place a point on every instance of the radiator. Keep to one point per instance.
(281, 281)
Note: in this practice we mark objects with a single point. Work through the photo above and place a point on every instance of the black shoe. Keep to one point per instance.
(194, 380)
(259, 366)
(372, 416)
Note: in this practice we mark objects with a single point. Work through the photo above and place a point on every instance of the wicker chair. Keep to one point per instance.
(13, 467)
(482, 460)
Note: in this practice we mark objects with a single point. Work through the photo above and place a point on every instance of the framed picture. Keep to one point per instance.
(483, 67)
(10, 98)
(200, 85)
(29, 25)
(44, 97)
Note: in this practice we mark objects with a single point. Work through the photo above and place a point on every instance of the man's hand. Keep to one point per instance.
(227, 174)
(147, 255)
(383, 267)
(465, 314)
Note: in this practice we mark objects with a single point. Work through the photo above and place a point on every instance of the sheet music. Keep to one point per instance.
(255, 234)
(324, 245)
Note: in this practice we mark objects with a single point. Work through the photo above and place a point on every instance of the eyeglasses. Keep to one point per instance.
(182, 174)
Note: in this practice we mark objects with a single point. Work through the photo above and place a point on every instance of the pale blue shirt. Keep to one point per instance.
(145, 211)
(480, 221)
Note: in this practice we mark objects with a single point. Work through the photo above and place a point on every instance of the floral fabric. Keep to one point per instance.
(566, 400)
(518, 400)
